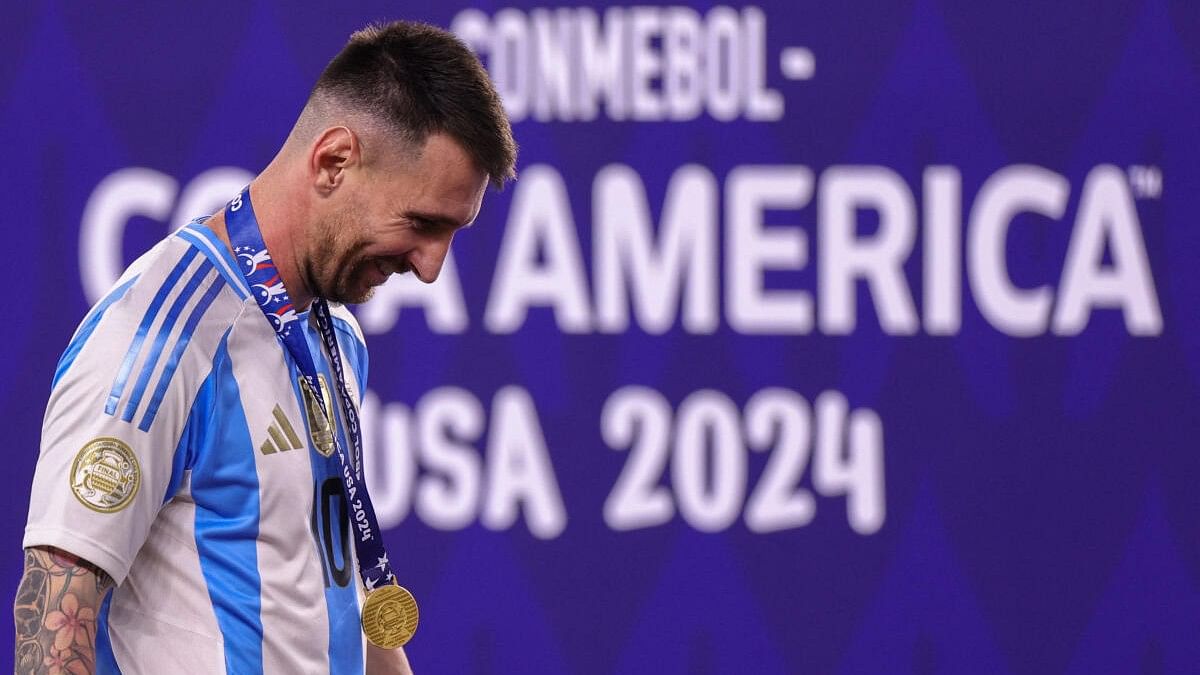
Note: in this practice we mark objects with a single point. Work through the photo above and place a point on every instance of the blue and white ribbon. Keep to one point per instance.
(254, 260)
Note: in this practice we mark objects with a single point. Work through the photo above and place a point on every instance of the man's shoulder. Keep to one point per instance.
(181, 281)
(172, 304)
(146, 348)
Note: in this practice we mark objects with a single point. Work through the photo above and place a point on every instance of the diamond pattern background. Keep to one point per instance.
(1042, 509)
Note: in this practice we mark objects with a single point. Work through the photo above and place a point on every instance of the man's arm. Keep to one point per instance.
(386, 661)
(55, 612)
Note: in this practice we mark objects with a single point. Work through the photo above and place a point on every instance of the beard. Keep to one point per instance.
(348, 286)
(336, 269)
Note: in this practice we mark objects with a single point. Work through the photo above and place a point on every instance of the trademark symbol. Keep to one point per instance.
(1146, 181)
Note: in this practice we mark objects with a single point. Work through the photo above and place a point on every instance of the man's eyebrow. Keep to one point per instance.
(437, 219)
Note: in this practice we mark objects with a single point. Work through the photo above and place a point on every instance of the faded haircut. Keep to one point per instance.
(416, 80)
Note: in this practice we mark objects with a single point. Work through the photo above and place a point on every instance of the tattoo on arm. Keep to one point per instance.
(55, 612)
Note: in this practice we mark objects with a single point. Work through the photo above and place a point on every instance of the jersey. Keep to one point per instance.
(177, 456)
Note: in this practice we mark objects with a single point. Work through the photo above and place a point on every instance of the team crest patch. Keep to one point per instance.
(105, 475)
(320, 426)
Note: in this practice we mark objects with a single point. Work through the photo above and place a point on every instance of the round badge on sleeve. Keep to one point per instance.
(389, 616)
(106, 475)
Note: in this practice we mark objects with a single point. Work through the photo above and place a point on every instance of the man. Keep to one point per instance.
(197, 506)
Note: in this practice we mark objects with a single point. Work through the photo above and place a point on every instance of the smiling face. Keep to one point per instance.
(393, 216)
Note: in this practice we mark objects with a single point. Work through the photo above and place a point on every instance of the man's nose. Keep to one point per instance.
(427, 263)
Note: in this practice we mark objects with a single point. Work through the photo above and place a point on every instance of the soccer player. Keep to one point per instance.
(198, 504)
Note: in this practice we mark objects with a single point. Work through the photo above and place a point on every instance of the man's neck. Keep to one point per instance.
(273, 222)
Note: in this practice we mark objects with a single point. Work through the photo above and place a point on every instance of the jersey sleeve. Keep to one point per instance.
(122, 397)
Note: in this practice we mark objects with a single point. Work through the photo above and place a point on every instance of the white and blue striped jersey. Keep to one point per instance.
(176, 455)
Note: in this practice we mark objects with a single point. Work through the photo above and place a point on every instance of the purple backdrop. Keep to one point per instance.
(885, 425)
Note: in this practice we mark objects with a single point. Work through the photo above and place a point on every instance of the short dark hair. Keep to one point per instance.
(420, 79)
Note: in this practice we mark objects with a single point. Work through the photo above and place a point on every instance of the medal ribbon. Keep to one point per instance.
(265, 284)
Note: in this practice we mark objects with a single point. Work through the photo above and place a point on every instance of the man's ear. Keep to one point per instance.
(334, 150)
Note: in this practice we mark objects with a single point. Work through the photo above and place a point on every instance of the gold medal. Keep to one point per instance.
(389, 616)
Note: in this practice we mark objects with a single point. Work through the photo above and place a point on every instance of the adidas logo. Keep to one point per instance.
(282, 436)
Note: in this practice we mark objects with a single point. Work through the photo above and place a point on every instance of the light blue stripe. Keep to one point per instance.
(225, 490)
(106, 661)
(345, 626)
(189, 328)
(86, 329)
(341, 602)
(160, 340)
(353, 351)
(207, 241)
(114, 397)
(193, 433)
